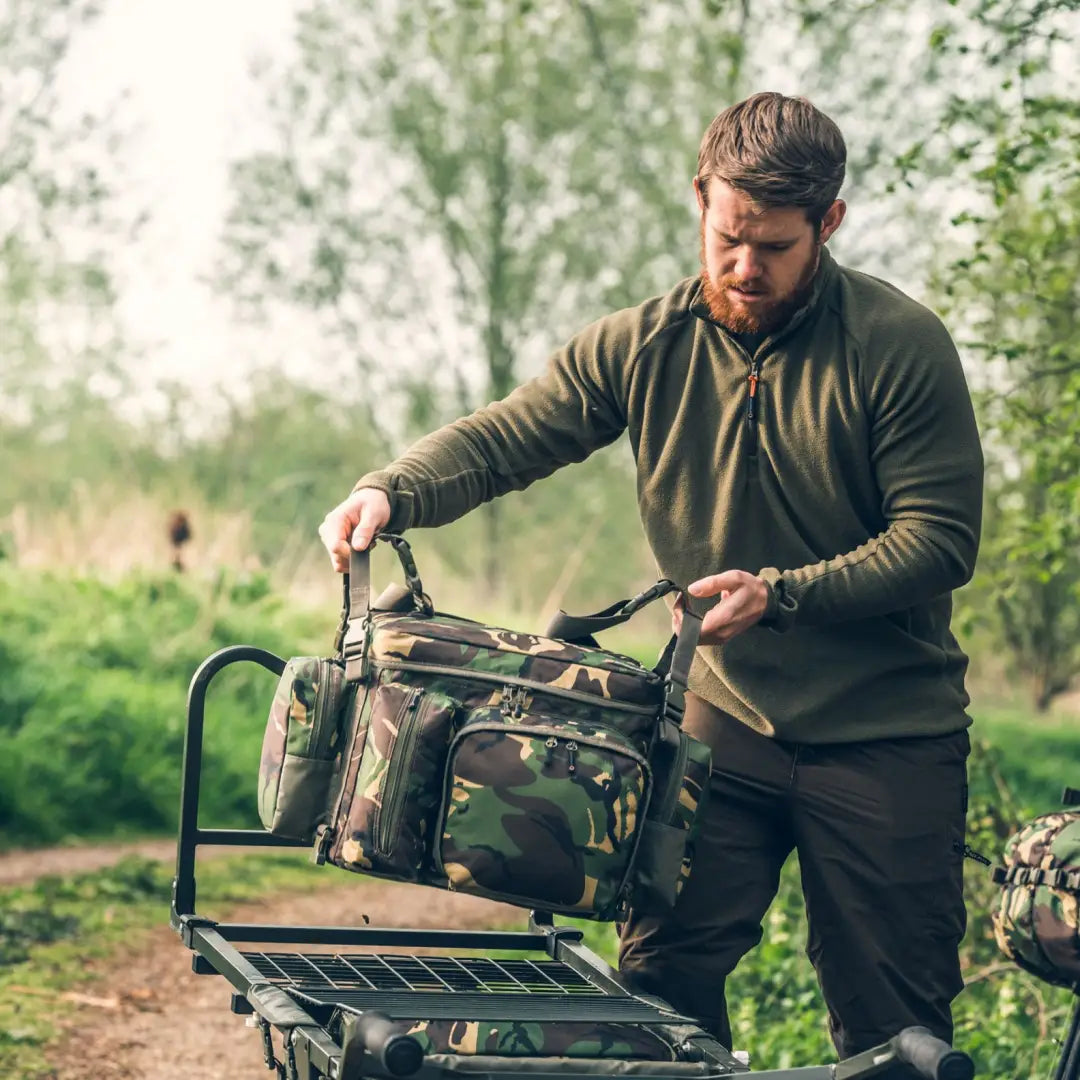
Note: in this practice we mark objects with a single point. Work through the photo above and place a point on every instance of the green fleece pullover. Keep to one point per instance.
(851, 483)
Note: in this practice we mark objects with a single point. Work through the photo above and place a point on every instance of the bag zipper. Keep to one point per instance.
(631, 667)
(408, 727)
(324, 835)
(322, 699)
(551, 743)
(513, 680)
(514, 701)
(559, 734)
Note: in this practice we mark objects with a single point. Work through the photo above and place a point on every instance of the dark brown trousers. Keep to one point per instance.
(879, 830)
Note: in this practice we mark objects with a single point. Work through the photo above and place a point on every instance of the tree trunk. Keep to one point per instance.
(1043, 693)
(492, 554)
(500, 359)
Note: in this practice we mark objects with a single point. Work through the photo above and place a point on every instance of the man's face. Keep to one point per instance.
(757, 263)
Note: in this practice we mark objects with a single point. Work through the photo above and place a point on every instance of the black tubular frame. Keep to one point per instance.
(313, 1054)
(1068, 1065)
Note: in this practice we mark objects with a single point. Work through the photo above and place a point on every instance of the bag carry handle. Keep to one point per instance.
(358, 580)
(675, 660)
(351, 639)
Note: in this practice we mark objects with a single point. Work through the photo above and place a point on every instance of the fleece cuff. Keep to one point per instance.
(781, 608)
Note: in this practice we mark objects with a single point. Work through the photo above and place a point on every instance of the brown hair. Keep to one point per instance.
(780, 151)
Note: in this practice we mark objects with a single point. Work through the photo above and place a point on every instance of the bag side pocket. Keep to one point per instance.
(300, 746)
(666, 853)
(303, 796)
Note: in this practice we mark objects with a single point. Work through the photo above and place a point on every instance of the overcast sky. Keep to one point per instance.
(191, 105)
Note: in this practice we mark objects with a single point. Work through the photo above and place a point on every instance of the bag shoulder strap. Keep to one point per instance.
(675, 660)
(579, 629)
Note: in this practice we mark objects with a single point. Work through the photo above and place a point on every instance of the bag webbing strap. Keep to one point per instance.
(1031, 875)
(579, 629)
(351, 639)
(675, 660)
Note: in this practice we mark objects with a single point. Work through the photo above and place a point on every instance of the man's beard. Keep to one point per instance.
(762, 318)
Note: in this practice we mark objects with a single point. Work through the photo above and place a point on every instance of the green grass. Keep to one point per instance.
(1038, 755)
(92, 702)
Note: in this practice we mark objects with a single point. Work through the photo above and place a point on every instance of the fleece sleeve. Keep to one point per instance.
(575, 407)
(927, 460)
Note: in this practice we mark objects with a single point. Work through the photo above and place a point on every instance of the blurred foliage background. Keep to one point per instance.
(444, 191)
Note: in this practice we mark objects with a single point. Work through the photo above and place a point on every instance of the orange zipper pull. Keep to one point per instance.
(751, 401)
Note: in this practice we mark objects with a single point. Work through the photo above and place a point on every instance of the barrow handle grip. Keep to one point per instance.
(932, 1057)
(399, 1054)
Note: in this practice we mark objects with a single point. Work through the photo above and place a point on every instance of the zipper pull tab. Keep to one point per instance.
(551, 743)
(751, 401)
(571, 750)
(323, 839)
(975, 856)
(519, 702)
(506, 700)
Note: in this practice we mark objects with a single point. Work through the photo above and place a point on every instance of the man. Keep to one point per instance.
(808, 463)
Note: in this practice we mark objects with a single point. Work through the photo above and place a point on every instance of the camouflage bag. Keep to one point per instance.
(1037, 923)
(589, 1039)
(540, 771)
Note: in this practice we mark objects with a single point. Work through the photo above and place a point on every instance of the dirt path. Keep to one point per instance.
(22, 866)
(150, 1018)
(19, 867)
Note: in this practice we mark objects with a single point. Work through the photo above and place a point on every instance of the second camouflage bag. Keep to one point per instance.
(541, 771)
(1037, 921)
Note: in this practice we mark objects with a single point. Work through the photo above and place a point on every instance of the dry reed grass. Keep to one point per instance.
(111, 533)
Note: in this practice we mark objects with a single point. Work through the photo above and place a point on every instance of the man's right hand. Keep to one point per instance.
(358, 519)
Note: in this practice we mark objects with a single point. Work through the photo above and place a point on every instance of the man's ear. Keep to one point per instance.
(699, 194)
(831, 221)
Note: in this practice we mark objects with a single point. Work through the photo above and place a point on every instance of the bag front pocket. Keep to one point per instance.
(300, 745)
(542, 813)
(388, 824)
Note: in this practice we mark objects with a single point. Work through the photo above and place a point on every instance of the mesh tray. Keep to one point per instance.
(444, 987)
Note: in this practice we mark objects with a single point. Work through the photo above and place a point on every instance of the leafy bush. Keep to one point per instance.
(93, 696)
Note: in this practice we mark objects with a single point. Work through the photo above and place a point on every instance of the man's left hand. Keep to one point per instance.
(743, 598)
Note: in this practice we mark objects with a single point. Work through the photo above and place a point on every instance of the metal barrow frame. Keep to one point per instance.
(339, 1013)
